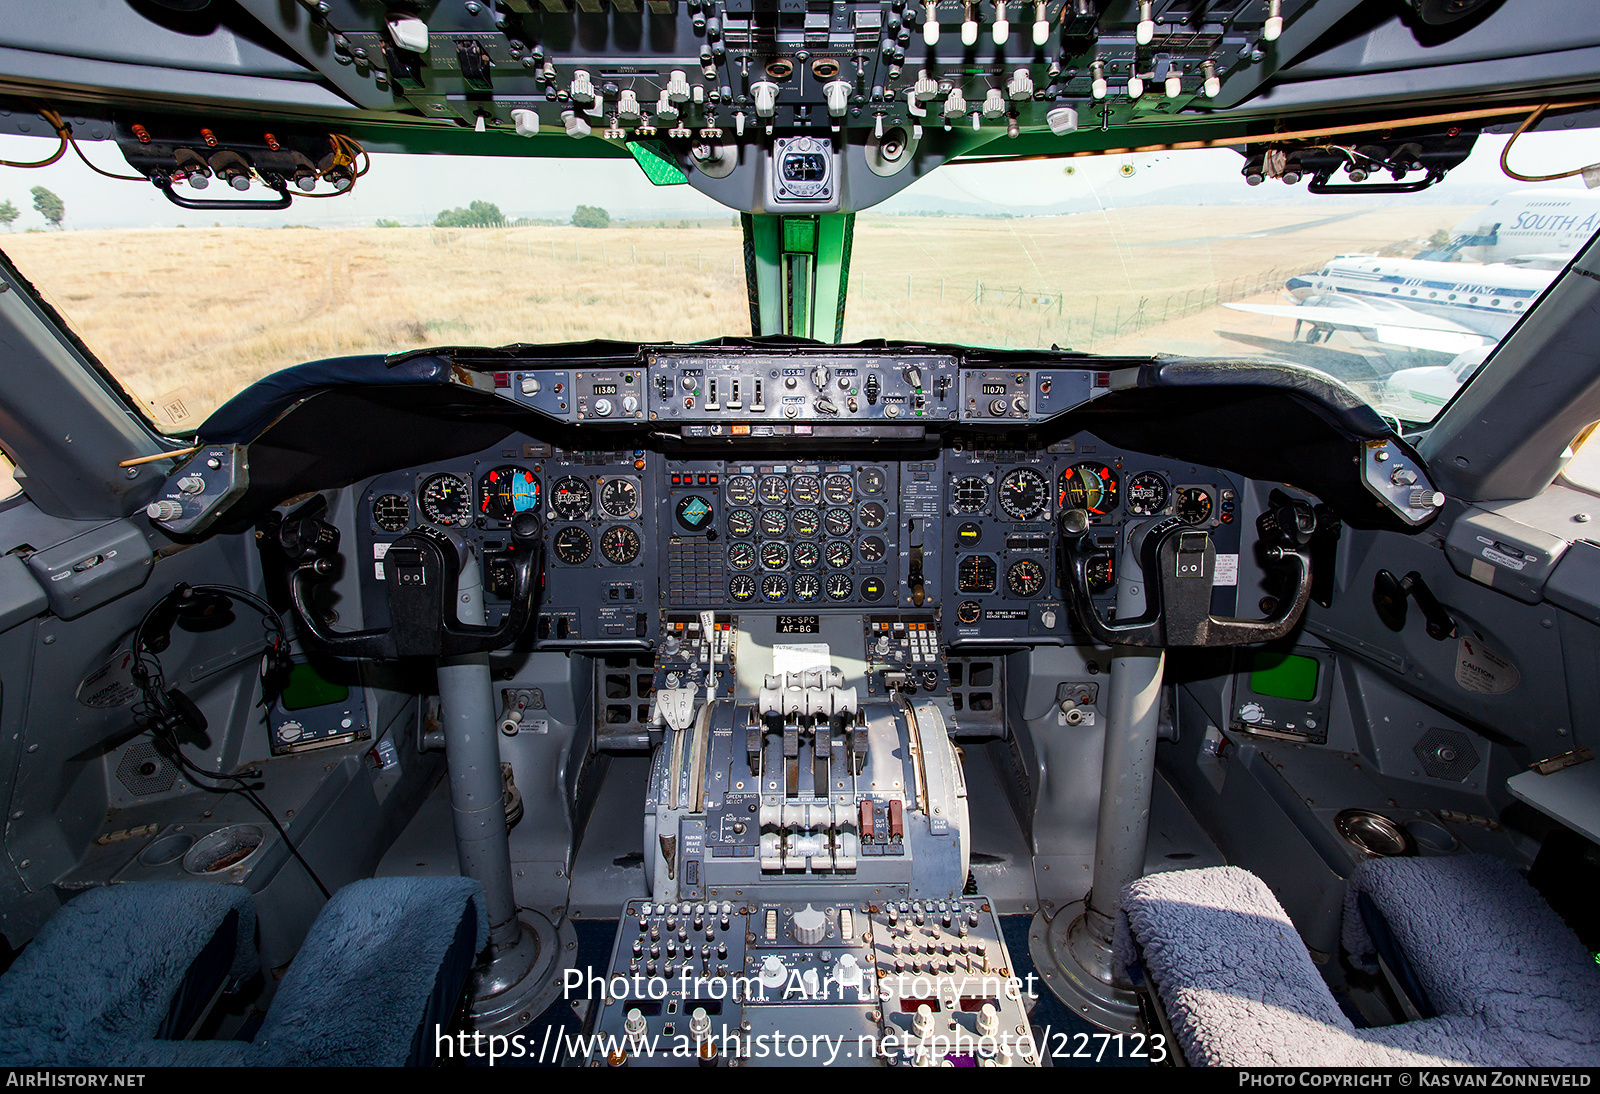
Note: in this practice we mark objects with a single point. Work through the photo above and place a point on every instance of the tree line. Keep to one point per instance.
(45, 203)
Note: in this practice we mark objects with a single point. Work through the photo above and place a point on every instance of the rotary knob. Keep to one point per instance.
(773, 973)
(1425, 499)
(809, 926)
(165, 509)
(602, 408)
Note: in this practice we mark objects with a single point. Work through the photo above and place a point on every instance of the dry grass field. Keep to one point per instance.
(188, 317)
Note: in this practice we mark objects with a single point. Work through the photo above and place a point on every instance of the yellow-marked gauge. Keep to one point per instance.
(446, 499)
(1090, 486)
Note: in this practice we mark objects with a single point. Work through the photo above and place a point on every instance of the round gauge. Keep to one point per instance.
(838, 522)
(872, 515)
(774, 587)
(969, 534)
(839, 554)
(774, 490)
(838, 489)
(446, 499)
(570, 498)
(969, 611)
(839, 586)
(619, 497)
(507, 491)
(741, 556)
(1024, 494)
(872, 549)
(873, 588)
(391, 512)
(871, 481)
(774, 522)
(1025, 578)
(620, 544)
(1091, 486)
(573, 545)
(970, 494)
(1101, 571)
(807, 587)
(1193, 505)
(693, 512)
(806, 522)
(806, 556)
(742, 489)
(741, 587)
(741, 522)
(806, 489)
(1147, 494)
(977, 574)
(774, 556)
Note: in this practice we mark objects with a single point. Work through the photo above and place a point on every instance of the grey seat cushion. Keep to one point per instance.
(1483, 943)
(1240, 989)
(108, 965)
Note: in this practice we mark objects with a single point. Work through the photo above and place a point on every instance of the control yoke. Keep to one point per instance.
(1179, 563)
(422, 576)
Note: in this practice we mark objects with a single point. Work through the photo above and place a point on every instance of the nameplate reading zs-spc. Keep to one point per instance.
(799, 624)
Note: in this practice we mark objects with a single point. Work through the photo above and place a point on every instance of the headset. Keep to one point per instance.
(168, 714)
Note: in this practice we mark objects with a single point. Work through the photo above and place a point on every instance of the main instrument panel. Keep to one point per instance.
(962, 538)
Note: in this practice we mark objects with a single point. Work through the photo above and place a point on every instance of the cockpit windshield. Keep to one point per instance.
(1401, 296)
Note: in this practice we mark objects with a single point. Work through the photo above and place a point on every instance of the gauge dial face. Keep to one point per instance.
(573, 545)
(774, 490)
(741, 556)
(620, 544)
(872, 515)
(839, 586)
(970, 494)
(391, 512)
(872, 549)
(969, 534)
(807, 587)
(571, 498)
(446, 499)
(839, 554)
(977, 574)
(742, 489)
(774, 587)
(1024, 494)
(968, 611)
(838, 489)
(506, 491)
(1101, 571)
(741, 522)
(806, 522)
(838, 522)
(1025, 578)
(806, 489)
(1147, 494)
(774, 522)
(619, 497)
(871, 482)
(1193, 505)
(806, 556)
(774, 556)
(741, 587)
(1090, 486)
(693, 512)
